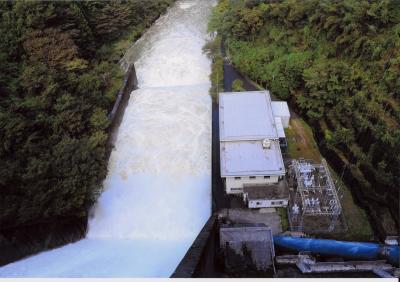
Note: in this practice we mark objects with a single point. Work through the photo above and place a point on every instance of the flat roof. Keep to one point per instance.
(280, 109)
(273, 191)
(244, 232)
(249, 158)
(246, 116)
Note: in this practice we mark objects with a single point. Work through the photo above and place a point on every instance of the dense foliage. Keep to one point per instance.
(338, 64)
(58, 80)
(213, 51)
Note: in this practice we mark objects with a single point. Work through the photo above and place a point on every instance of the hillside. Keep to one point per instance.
(59, 76)
(338, 65)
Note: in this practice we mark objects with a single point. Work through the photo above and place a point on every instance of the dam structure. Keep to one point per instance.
(157, 195)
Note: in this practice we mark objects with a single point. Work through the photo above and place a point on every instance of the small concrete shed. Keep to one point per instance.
(267, 196)
(247, 246)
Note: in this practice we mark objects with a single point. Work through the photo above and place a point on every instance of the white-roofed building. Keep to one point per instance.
(246, 116)
(279, 127)
(281, 132)
(281, 109)
(250, 152)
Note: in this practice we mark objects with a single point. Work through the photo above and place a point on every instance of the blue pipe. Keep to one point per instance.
(351, 250)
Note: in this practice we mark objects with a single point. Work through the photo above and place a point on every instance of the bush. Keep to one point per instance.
(237, 85)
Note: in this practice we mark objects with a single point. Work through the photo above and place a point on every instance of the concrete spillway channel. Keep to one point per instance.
(157, 194)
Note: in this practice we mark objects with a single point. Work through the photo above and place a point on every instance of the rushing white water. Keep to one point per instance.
(158, 190)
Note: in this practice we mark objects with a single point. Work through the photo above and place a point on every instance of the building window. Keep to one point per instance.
(237, 178)
(266, 177)
(281, 202)
(258, 203)
(272, 203)
(252, 177)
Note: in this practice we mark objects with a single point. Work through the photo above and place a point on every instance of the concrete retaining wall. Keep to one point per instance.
(199, 260)
(117, 112)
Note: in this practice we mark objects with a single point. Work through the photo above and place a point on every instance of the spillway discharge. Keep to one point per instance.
(157, 195)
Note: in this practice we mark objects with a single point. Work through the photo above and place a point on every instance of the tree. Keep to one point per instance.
(337, 63)
(56, 91)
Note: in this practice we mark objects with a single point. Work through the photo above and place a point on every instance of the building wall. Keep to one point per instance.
(268, 203)
(235, 186)
(285, 120)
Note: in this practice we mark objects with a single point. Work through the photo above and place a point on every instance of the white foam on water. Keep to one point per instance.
(158, 185)
(157, 195)
(186, 5)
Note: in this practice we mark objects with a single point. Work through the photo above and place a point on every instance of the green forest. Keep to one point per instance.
(338, 65)
(59, 77)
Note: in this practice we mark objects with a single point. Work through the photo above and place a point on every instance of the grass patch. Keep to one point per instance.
(359, 228)
(284, 219)
(301, 143)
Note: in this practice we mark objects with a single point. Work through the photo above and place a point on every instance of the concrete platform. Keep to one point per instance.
(244, 215)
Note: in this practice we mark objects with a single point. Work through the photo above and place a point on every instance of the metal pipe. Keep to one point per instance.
(351, 250)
